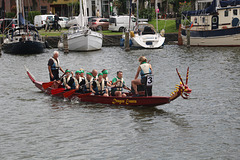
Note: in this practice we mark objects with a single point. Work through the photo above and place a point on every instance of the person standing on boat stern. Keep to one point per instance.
(69, 82)
(144, 69)
(54, 66)
(119, 84)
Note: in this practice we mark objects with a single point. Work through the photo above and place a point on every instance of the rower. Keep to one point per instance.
(54, 66)
(82, 77)
(77, 79)
(105, 77)
(119, 84)
(99, 86)
(144, 69)
(94, 74)
(88, 84)
(80, 80)
(68, 81)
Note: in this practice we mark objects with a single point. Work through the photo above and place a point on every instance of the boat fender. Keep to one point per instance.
(130, 43)
(122, 42)
(162, 33)
(132, 34)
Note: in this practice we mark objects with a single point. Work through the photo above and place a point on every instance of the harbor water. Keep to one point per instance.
(36, 126)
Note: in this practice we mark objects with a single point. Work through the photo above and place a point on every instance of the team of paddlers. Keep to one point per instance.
(97, 83)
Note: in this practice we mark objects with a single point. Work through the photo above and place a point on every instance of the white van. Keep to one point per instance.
(121, 23)
(40, 20)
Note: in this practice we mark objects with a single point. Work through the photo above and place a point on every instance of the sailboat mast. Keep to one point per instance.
(85, 12)
(156, 14)
(17, 5)
(137, 11)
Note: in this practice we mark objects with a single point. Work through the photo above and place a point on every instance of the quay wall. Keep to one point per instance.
(108, 40)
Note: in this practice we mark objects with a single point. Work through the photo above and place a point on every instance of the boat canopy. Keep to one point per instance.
(229, 3)
(146, 28)
(210, 9)
(21, 20)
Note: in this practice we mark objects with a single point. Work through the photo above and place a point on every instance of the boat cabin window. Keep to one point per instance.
(214, 20)
(147, 30)
(235, 12)
(203, 20)
(226, 13)
(195, 20)
(134, 19)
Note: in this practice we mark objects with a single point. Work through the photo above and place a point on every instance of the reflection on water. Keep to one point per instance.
(34, 125)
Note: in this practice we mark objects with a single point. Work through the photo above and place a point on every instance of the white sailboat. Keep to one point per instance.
(80, 37)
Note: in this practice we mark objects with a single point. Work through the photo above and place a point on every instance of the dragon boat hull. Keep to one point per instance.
(113, 100)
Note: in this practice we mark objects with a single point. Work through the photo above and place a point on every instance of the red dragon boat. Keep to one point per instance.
(181, 90)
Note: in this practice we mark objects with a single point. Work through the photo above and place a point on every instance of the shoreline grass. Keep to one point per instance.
(169, 26)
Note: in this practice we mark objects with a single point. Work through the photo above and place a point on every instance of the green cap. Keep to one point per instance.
(100, 74)
(89, 73)
(79, 72)
(67, 71)
(105, 72)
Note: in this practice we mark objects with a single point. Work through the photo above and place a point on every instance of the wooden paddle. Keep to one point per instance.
(69, 93)
(56, 91)
(49, 84)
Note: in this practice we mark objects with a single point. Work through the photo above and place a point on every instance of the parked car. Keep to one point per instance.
(63, 21)
(98, 24)
(121, 23)
(40, 20)
(8, 23)
(90, 20)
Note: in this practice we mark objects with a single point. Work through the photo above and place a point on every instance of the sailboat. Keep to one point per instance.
(23, 39)
(80, 37)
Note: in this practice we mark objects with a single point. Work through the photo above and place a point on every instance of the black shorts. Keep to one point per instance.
(55, 76)
(144, 80)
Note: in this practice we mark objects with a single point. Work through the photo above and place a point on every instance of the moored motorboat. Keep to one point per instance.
(146, 36)
(182, 90)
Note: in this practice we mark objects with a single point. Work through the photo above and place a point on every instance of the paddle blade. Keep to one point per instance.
(56, 91)
(69, 93)
(48, 84)
(83, 95)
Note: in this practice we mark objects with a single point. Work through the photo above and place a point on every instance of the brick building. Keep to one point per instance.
(39, 5)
